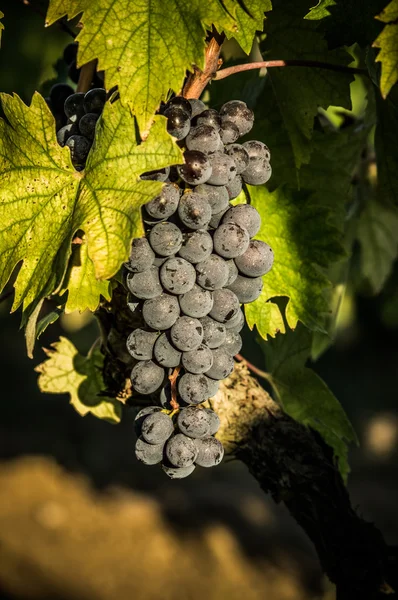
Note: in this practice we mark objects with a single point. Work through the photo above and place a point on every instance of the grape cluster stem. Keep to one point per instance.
(174, 394)
(252, 368)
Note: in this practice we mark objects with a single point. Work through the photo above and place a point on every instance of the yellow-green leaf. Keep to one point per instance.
(387, 41)
(1, 24)
(68, 372)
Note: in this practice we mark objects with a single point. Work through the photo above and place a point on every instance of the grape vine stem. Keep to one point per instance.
(198, 80)
(252, 367)
(173, 381)
(86, 76)
(218, 75)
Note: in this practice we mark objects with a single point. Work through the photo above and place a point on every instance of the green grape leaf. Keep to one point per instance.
(321, 10)
(84, 290)
(298, 231)
(378, 238)
(387, 41)
(1, 25)
(304, 395)
(47, 320)
(68, 372)
(45, 201)
(300, 91)
(386, 136)
(146, 50)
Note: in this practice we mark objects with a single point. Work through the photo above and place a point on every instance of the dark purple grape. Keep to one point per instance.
(94, 101)
(178, 122)
(197, 168)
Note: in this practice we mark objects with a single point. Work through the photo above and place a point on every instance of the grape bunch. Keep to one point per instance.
(188, 277)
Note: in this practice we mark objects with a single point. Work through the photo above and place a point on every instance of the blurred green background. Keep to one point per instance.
(361, 369)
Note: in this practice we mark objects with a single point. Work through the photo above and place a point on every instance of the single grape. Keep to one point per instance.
(233, 271)
(87, 125)
(178, 472)
(181, 450)
(229, 132)
(140, 343)
(197, 106)
(204, 138)
(197, 302)
(196, 246)
(208, 117)
(182, 103)
(157, 428)
(94, 101)
(230, 240)
(141, 256)
(73, 107)
(212, 273)
(58, 94)
(223, 169)
(240, 156)
(70, 53)
(225, 306)
(214, 333)
(160, 260)
(146, 377)
(214, 421)
(223, 364)
(161, 312)
(157, 175)
(165, 396)
(234, 187)
(197, 361)
(193, 389)
(256, 149)
(165, 353)
(257, 260)
(79, 148)
(197, 168)
(146, 284)
(165, 239)
(236, 324)
(210, 452)
(216, 218)
(233, 343)
(194, 422)
(164, 204)
(239, 113)
(247, 289)
(65, 132)
(258, 172)
(212, 386)
(142, 415)
(177, 275)
(186, 333)
(194, 211)
(178, 122)
(216, 195)
(149, 454)
(244, 215)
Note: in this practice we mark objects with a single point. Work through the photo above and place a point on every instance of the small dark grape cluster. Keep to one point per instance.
(188, 278)
(76, 114)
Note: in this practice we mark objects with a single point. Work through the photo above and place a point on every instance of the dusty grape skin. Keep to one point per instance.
(194, 211)
(193, 389)
(197, 168)
(141, 416)
(258, 172)
(144, 285)
(214, 333)
(66, 132)
(234, 187)
(257, 260)
(165, 238)
(255, 148)
(181, 450)
(165, 353)
(247, 289)
(236, 324)
(156, 175)
(194, 422)
(140, 344)
(246, 216)
(240, 156)
(178, 472)
(214, 420)
(178, 122)
(197, 246)
(217, 196)
(146, 377)
(223, 364)
(186, 333)
(141, 256)
(196, 303)
(164, 204)
(229, 132)
(197, 361)
(208, 117)
(87, 125)
(212, 273)
(216, 219)
(230, 240)
(223, 169)
(225, 305)
(177, 275)
(181, 102)
(161, 312)
(239, 113)
(233, 271)
(212, 386)
(233, 343)
(149, 454)
(157, 428)
(73, 106)
(210, 452)
(197, 106)
(204, 138)
(79, 148)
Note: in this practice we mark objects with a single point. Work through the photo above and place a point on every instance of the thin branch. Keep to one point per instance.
(173, 380)
(198, 80)
(86, 76)
(286, 63)
(252, 367)
(61, 24)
